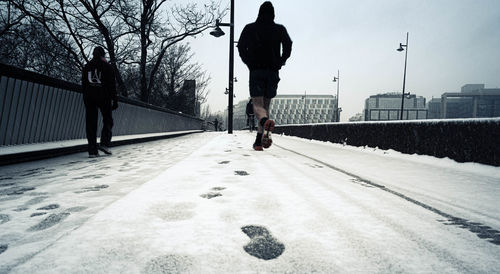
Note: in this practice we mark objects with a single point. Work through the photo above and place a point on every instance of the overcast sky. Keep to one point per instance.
(451, 43)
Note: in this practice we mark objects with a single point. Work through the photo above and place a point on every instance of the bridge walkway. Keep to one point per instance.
(208, 203)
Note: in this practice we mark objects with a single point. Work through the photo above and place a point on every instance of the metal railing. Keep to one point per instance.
(36, 108)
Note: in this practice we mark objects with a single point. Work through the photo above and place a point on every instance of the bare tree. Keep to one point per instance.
(205, 112)
(25, 44)
(136, 33)
(28, 46)
(159, 27)
(9, 17)
(176, 68)
(77, 26)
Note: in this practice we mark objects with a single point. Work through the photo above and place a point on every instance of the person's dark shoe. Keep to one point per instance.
(94, 155)
(257, 147)
(266, 138)
(105, 149)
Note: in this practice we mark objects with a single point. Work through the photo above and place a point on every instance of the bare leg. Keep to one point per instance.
(259, 110)
(266, 138)
(267, 102)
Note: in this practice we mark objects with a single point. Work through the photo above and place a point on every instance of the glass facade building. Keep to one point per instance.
(474, 101)
(292, 109)
(384, 107)
(302, 109)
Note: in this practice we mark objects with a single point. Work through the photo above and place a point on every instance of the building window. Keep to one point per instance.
(393, 115)
(384, 115)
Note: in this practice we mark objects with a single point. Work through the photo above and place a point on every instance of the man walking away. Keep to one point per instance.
(99, 93)
(216, 124)
(260, 47)
(250, 115)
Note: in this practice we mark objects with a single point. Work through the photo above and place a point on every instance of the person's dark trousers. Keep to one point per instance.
(92, 105)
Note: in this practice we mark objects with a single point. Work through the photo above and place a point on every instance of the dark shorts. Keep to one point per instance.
(264, 83)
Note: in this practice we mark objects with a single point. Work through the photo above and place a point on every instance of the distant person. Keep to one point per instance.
(216, 124)
(250, 115)
(99, 93)
(260, 46)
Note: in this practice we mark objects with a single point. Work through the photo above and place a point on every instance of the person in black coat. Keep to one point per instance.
(250, 115)
(264, 47)
(99, 93)
(216, 124)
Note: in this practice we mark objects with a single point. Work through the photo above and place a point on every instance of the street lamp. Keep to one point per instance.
(217, 32)
(401, 48)
(227, 92)
(337, 112)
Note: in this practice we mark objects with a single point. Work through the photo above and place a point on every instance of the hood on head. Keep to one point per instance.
(266, 12)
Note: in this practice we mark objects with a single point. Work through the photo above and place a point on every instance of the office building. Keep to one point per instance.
(383, 107)
(302, 109)
(473, 101)
(434, 108)
(292, 109)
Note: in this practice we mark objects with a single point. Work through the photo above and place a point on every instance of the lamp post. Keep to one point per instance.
(401, 48)
(217, 32)
(337, 112)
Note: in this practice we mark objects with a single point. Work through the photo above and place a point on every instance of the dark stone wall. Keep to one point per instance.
(464, 140)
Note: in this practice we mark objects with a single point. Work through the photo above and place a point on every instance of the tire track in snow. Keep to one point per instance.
(370, 254)
(435, 250)
(482, 231)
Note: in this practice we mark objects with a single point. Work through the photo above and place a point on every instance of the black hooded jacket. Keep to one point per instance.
(260, 42)
(249, 110)
(98, 80)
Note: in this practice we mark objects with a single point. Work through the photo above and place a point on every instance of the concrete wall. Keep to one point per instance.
(464, 140)
(35, 108)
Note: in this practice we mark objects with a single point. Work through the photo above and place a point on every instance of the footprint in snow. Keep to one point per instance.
(4, 218)
(241, 173)
(210, 195)
(6, 184)
(49, 207)
(3, 248)
(93, 188)
(214, 193)
(16, 190)
(76, 209)
(218, 188)
(50, 221)
(262, 244)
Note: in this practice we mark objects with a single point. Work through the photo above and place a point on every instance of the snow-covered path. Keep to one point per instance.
(299, 207)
